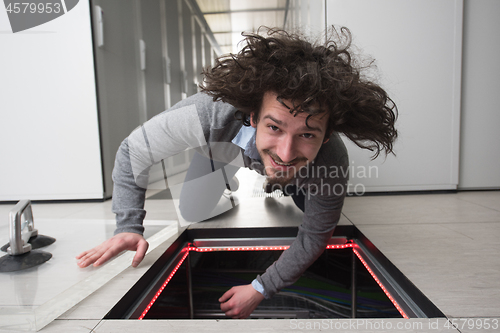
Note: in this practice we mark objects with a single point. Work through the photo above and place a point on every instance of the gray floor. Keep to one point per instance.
(446, 244)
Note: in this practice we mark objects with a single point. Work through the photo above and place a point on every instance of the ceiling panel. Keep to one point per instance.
(228, 18)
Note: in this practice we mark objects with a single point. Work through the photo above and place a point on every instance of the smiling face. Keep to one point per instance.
(285, 143)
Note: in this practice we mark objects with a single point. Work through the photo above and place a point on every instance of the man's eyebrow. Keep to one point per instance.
(267, 116)
(304, 128)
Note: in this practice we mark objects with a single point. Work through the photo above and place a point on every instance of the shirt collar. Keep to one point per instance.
(245, 139)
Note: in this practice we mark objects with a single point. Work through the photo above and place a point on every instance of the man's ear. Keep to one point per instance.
(327, 137)
(252, 122)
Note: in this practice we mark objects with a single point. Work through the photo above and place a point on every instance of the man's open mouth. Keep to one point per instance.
(283, 164)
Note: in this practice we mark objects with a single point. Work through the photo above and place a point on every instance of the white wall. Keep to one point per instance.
(49, 128)
(417, 47)
(480, 134)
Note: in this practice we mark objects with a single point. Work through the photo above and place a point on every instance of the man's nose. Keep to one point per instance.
(286, 149)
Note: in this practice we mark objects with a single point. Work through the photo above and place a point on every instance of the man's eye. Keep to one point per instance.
(273, 128)
(308, 135)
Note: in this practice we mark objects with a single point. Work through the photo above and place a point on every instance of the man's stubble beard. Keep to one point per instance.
(280, 178)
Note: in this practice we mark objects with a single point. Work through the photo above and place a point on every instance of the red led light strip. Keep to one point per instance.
(381, 285)
(164, 284)
(267, 248)
(240, 248)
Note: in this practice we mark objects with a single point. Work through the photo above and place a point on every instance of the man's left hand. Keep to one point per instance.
(239, 302)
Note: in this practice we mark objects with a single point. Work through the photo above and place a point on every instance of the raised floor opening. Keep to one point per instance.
(351, 279)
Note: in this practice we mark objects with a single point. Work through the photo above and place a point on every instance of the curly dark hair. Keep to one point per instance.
(312, 75)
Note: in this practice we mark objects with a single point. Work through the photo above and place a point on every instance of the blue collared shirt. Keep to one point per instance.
(245, 139)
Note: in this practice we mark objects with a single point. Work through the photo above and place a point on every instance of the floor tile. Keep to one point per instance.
(73, 326)
(18, 318)
(97, 305)
(163, 209)
(415, 209)
(454, 265)
(61, 210)
(39, 284)
(490, 199)
(276, 325)
(95, 211)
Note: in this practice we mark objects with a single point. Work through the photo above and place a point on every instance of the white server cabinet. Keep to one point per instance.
(417, 45)
(479, 134)
(49, 123)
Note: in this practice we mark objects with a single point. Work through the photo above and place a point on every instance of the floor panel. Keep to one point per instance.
(416, 209)
(447, 244)
(454, 265)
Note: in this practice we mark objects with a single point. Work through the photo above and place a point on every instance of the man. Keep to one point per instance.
(276, 107)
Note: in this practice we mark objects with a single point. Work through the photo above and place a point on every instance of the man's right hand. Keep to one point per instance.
(113, 246)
